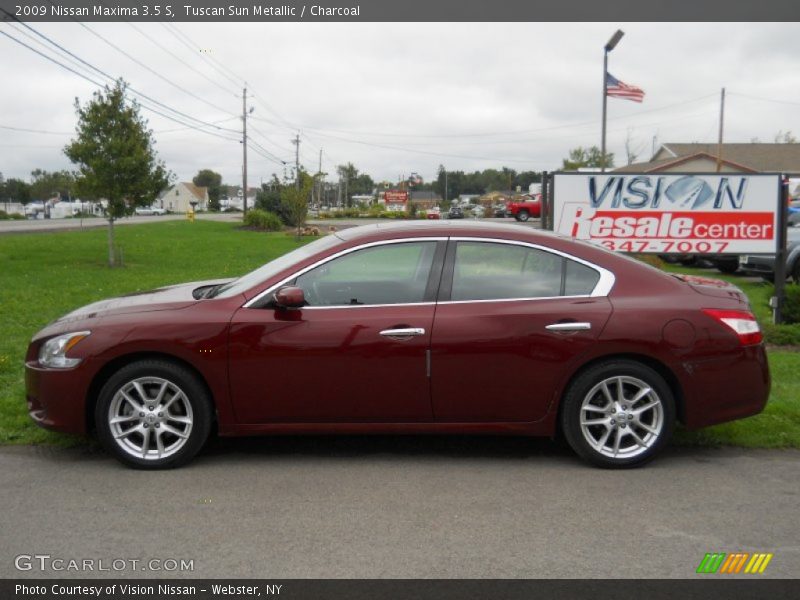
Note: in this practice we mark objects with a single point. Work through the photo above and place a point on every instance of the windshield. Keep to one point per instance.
(272, 268)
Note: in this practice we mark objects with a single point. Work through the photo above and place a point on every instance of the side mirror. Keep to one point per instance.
(289, 297)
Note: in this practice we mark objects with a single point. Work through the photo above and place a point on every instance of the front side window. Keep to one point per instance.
(492, 271)
(387, 274)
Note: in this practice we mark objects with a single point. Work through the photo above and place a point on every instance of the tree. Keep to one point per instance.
(588, 158)
(347, 173)
(785, 138)
(213, 181)
(114, 152)
(16, 190)
(269, 198)
(45, 185)
(295, 201)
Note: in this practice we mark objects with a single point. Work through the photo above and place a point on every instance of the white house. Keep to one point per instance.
(180, 196)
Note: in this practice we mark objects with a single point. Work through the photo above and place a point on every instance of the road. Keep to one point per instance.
(413, 507)
(47, 225)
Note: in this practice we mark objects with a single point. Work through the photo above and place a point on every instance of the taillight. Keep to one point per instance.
(743, 324)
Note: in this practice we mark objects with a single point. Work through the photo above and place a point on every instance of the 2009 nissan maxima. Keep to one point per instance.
(414, 328)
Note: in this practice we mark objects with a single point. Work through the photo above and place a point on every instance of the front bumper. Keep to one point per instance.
(57, 397)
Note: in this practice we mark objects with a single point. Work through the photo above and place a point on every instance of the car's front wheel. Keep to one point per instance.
(523, 215)
(153, 414)
(618, 414)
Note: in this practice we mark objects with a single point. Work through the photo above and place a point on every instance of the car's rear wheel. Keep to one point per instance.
(618, 414)
(153, 414)
(523, 215)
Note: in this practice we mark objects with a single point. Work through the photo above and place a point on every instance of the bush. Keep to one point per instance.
(4, 216)
(781, 335)
(791, 304)
(263, 219)
(650, 259)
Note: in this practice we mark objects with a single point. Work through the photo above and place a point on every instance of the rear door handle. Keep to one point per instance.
(404, 332)
(569, 326)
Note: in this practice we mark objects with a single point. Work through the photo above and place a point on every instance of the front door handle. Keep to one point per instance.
(569, 326)
(404, 332)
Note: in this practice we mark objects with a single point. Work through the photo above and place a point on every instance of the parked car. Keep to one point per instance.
(764, 264)
(794, 213)
(403, 328)
(455, 212)
(149, 211)
(522, 211)
(499, 211)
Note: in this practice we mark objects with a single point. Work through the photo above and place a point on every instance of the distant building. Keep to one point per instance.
(425, 200)
(179, 197)
(735, 158)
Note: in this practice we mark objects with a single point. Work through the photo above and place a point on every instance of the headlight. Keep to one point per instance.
(53, 352)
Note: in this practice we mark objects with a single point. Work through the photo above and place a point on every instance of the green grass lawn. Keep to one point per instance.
(45, 275)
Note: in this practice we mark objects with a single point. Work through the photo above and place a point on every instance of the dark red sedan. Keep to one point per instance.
(424, 327)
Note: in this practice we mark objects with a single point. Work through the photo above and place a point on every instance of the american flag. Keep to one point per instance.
(617, 89)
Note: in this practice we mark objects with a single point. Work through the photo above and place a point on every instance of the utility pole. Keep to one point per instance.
(319, 176)
(296, 142)
(721, 123)
(244, 150)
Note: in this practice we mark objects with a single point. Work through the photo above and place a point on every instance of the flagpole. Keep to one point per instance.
(608, 48)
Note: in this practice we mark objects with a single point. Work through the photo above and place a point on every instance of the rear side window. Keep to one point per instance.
(492, 271)
(580, 279)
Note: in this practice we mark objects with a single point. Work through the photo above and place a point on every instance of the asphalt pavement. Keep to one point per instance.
(48, 225)
(400, 507)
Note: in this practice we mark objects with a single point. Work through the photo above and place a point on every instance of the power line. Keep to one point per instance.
(487, 134)
(775, 100)
(188, 43)
(154, 72)
(179, 59)
(98, 84)
(110, 78)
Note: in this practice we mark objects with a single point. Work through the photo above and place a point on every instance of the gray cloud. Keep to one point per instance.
(394, 98)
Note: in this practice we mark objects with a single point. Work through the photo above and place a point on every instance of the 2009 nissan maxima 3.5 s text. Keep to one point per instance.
(415, 328)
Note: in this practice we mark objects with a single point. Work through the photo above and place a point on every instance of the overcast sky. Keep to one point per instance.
(397, 98)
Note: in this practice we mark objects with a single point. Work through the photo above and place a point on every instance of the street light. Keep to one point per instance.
(612, 43)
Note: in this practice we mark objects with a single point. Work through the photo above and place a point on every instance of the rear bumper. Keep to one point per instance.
(728, 387)
(57, 397)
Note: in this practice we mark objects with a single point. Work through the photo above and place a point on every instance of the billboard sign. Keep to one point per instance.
(682, 213)
(395, 197)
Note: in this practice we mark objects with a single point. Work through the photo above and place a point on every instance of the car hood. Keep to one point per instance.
(166, 298)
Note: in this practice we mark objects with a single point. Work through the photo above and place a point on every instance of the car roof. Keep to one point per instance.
(438, 228)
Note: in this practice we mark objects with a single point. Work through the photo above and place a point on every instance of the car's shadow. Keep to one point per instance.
(350, 446)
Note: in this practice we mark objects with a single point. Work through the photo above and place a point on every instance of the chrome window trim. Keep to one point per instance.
(603, 287)
(344, 252)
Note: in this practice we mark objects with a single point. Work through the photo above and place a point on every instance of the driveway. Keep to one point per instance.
(401, 507)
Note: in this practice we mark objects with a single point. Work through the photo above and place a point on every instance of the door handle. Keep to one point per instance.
(569, 327)
(403, 333)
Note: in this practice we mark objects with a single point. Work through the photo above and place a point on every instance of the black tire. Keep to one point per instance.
(796, 272)
(180, 434)
(523, 215)
(728, 267)
(689, 261)
(584, 391)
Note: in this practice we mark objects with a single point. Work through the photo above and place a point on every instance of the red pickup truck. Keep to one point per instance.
(522, 211)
